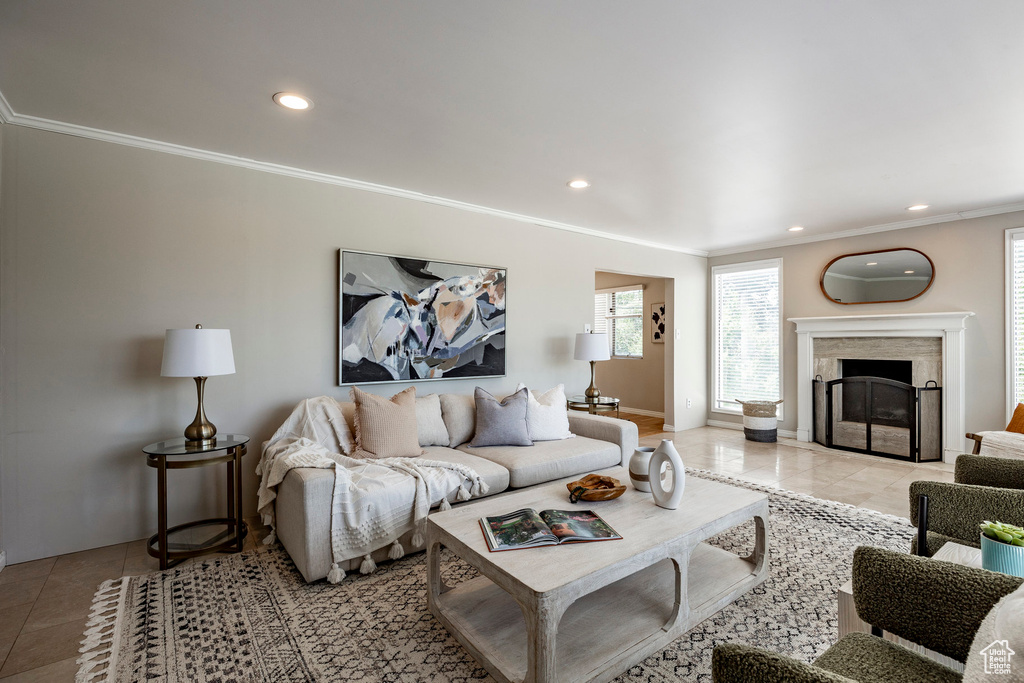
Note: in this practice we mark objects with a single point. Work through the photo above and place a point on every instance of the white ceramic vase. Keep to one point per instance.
(666, 454)
(639, 464)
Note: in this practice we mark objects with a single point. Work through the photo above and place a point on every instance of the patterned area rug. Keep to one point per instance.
(251, 617)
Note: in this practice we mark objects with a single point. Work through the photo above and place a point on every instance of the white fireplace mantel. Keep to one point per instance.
(948, 326)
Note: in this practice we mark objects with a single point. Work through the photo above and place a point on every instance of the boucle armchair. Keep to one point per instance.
(936, 604)
(984, 488)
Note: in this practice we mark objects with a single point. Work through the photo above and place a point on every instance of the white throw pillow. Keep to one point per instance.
(1001, 630)
(546, 415)
(429, 422)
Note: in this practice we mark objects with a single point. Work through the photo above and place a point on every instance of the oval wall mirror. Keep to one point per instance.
(875, 277)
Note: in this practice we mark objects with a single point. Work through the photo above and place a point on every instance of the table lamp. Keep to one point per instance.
(199, 354)
(592, 346)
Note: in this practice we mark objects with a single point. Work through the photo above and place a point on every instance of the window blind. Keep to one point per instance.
(746, 316)
(1015, 306)
(619, 313)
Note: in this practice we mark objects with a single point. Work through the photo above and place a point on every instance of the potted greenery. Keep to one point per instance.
(1002, 548)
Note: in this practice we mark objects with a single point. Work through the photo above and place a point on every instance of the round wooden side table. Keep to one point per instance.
(217, 534)
(593, 405)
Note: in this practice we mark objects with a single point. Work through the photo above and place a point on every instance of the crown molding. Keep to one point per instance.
(871, 229)
(9, 116)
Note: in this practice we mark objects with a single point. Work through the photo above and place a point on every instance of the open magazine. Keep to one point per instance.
(528, 528)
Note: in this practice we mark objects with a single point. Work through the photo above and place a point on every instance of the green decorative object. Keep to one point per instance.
(1002, 548)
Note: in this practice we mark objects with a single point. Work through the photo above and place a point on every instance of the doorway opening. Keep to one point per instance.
(633, 311)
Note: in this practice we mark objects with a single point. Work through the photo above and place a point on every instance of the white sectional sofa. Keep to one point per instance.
(303, 504)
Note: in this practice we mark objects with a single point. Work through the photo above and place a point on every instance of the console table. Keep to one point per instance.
(218, 534)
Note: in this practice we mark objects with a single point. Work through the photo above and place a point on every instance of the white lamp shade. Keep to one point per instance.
(197, 353)
(592, 346)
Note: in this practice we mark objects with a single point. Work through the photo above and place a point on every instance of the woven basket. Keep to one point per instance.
(760, 408)
(760, 420)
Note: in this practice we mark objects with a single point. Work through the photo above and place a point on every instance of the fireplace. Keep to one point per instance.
(935, 341)
(889, 404)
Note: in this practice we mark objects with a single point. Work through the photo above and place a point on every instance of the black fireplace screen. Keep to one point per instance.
(879, 416)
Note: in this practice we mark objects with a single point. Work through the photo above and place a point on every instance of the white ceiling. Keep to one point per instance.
(702, 125)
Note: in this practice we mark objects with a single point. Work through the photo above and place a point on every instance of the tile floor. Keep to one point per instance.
(44, 604)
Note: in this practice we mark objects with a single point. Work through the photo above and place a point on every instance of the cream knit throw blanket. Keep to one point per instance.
(374, 502)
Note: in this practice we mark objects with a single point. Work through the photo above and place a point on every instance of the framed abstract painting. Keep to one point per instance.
(658, 323)
(408, 319)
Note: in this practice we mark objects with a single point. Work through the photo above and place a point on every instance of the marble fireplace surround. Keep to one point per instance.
(949, 327)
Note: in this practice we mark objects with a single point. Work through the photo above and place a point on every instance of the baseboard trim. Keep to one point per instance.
(641, 411)
(668, 428)
(784, 433)
(3, 559)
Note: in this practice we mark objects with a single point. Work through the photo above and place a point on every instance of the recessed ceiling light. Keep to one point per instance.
(871, 263)
(578, 184)
(908, 272)
(293, 101)
(917, 207)
(796, 228)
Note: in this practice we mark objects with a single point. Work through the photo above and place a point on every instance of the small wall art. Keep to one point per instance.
(411, 319)
(659, 324)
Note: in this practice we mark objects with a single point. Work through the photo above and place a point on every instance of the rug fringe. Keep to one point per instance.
(100, 640)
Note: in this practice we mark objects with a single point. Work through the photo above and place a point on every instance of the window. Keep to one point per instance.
(1014, 319)
(746, 324)
(620, 313)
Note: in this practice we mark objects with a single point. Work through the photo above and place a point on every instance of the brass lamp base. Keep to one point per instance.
(201, 431)
(592, 391)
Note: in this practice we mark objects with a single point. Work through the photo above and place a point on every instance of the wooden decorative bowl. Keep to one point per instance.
(595, 487)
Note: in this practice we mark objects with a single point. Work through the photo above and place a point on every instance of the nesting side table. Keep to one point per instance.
(593, 405)
(218, 534)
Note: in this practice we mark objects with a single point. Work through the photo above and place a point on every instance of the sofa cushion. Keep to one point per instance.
(459, 414)
(494, 475)
(550, 460)
(501, 423)
(863, 657)
(430, 426)
(386, 428)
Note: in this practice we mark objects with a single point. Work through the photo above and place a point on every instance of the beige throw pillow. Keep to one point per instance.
(459, 413)
(386, 428)
(429, 422)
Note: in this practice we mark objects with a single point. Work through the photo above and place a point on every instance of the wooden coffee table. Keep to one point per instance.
(589, 611)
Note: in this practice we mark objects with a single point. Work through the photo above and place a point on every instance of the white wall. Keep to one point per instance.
(969, 267)
(3, 554)
(105, 246)
(637, 382)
